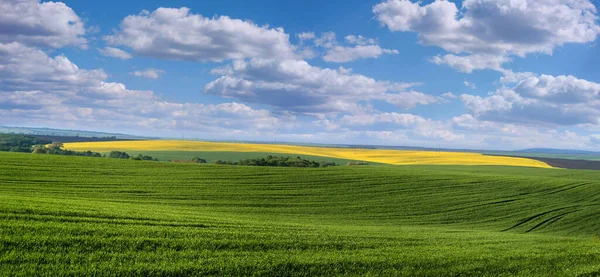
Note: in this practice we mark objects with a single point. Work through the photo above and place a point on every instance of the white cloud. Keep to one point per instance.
(464, 132)
(177, 34)
(25, 68)
(53, 91)
(326, 40)
(469, 63)
(358, 47)
(360, 40)
(540, 100)
(341, 54)
(448, 95)
(399, 119)
(115, 53)
(408, 99)
(297, 87)
(48, 24)
(494, 26)
(509, 136)
(490, 30)
(469, 85)
(408, 125)
(306, 36)
(514, 77)
(149, 73)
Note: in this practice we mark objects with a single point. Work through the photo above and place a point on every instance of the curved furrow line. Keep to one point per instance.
(568, 187)
(531, 218)
(550, 220)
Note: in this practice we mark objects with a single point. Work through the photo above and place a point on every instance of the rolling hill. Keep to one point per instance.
(74, 216)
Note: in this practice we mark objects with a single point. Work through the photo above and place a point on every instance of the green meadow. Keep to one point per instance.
(81, 216)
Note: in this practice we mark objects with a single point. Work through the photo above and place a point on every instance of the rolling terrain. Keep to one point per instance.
(395, 157)
(73, 216)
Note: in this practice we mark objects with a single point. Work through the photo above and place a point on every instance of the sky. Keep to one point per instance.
(478, 74)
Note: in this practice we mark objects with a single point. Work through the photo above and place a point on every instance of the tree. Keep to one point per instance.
(118, 155)
(18, 149)
(55, 148)
(39, 149)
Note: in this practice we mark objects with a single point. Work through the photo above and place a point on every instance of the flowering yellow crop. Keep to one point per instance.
(397, 157)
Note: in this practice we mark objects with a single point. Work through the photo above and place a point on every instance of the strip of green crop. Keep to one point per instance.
(211, 156)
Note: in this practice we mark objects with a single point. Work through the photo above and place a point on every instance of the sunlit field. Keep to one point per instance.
(395, 157)
(83, 216)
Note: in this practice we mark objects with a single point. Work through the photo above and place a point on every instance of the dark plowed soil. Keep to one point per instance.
(568, 163)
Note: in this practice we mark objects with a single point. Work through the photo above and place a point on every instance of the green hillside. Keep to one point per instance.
(74, 216)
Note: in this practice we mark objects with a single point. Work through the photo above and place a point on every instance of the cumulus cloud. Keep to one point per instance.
(306, 36)
(149, 73)
(540, 100)
(411, 126)
(47, 24)
(393, 120)
(177, 34)
(341, 54)
(357, 47)
(492, 26)
(447, 96)
(53, 91)
(491, 29)
(297, 87)
(360, 40)
(481, 133)
(469, 63)
(327, 40)
(400, 119)
(115, 53)
(26, 69)
(408, 99)
(465, 131)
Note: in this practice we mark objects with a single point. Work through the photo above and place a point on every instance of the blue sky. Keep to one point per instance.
(473, 74)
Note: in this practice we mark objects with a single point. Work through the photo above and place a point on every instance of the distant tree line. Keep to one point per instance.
(56, 149)
(37, 145)
(20, 143)
(278, 161)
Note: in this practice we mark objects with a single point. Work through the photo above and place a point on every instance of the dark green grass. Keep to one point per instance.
(74, 216)
(211, 156)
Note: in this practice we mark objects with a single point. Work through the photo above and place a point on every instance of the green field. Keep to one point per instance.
(75, 216)
(211, 156)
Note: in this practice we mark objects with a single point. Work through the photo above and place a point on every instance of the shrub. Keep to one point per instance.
(141, 157)
(224, 162)
(118, 155)
(39, 149)
(197, 160)
(357, 163)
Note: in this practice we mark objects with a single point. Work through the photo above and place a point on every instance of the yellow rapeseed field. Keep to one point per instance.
(396, 157)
